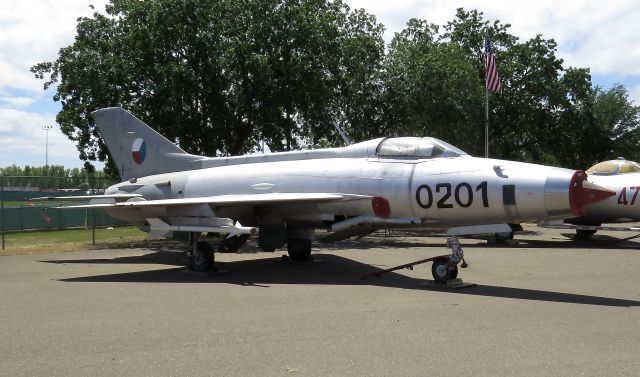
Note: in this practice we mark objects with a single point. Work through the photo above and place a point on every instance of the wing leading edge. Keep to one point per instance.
(99, 201)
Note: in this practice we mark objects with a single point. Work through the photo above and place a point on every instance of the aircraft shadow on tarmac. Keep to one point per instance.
(525, 239)
(598, 242)
(326, 269)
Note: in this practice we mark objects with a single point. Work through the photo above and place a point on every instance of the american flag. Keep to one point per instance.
(492, 80)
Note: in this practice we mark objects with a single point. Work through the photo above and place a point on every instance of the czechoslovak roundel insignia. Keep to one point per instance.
(139, 150)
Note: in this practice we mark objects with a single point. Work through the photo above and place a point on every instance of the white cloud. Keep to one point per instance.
(591, 34)
(17, 102)
(34, 31)
(603, 37)
(634, 95)
(24, 140)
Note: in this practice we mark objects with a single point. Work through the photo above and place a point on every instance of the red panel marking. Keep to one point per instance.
(580, 196)
(380, 206)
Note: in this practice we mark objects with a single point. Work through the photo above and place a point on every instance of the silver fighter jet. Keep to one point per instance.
(292, 198)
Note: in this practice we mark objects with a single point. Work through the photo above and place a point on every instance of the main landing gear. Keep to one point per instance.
(444, 267)
(200, 254)
(585, 234)
(299, 249)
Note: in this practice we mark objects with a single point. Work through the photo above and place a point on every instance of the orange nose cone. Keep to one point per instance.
(583, 192)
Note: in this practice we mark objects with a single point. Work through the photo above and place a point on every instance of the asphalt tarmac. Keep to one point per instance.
(546, 306)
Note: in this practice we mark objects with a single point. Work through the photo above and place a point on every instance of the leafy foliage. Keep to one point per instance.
(218, 77)
(546, 113)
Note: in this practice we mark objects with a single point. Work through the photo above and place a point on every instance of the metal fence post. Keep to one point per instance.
(2, 210)
(93, 220)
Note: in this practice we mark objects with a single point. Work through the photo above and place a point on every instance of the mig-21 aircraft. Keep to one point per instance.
(287, 197)
(620, 176)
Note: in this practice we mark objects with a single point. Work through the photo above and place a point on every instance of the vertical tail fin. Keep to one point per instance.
(136, 148)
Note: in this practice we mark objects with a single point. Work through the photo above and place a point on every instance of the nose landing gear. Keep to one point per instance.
(200, 254)
(443, 271)
(444, 268)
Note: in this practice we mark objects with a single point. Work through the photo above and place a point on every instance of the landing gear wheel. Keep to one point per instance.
(299, 249)
(202, 257)
(441, 271)
(584, 234)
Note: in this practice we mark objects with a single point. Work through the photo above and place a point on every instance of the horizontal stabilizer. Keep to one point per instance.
(75, 198)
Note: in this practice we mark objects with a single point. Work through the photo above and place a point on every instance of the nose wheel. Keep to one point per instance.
(200, 254)
(444, 267)
(443, 271)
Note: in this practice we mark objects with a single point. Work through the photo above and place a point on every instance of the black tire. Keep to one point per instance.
(584, 234)
(299, 249)
(202, 258)
(441, 271)
(502, 238)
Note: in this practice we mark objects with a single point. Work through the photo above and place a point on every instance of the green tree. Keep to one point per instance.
(546, 113)
(217, 77)
(615, 114)
(432, 87)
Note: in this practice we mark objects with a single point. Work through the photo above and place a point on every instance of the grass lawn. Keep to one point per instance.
(68, 240)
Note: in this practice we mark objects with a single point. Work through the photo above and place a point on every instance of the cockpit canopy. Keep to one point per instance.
(614, 167)
(421, 147)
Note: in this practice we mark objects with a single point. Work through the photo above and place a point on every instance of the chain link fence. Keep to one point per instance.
(19, 214)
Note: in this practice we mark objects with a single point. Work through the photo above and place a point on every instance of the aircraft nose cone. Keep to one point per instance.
(583, 192)
(567, 192)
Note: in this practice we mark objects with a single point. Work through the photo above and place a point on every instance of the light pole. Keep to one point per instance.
(46, 145)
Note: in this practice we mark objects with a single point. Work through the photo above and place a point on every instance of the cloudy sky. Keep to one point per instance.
(601, 36)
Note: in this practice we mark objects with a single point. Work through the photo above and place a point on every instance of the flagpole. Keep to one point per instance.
(491, 83)
(486, 122)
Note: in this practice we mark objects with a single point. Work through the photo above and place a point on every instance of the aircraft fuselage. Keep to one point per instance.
(455, 191)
